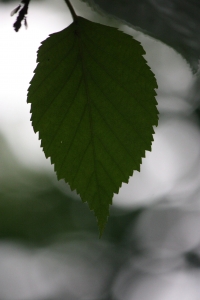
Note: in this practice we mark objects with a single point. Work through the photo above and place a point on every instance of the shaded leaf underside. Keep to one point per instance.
(93, 103)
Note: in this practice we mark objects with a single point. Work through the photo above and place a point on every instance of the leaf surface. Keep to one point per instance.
(93, 103)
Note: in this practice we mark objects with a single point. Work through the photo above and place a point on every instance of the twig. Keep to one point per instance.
(72, 11)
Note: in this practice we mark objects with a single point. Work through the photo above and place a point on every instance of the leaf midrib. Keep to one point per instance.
(83, 67)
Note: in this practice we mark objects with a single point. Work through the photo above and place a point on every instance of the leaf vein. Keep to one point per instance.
(54, 98)
(122, 172)
(80, 121)
(52, 70)
(81, 161)
(64, 117)
(107, 174)
(112, 78)
(119, 112)
(114, 58)
(84, 69)
(87, 186)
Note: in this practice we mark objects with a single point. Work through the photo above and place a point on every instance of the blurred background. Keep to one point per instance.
(49, 245)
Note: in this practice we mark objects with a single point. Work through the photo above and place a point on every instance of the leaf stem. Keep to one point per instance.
(72, 11)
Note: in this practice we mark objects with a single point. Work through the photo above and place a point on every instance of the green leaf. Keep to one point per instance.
(93, 103)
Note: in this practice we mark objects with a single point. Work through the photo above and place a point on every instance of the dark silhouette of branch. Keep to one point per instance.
(22, 8)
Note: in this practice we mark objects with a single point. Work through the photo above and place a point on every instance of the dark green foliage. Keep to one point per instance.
(93, 103)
